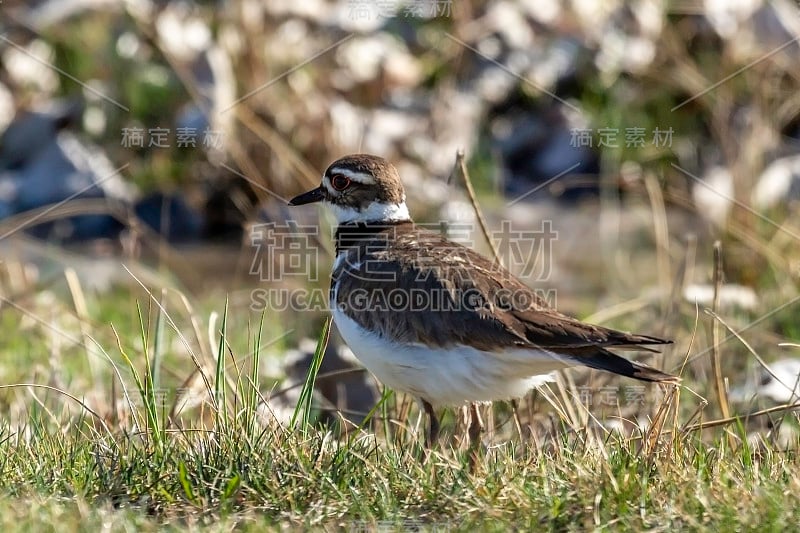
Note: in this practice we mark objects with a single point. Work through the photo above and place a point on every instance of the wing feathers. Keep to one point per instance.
(604, 360)
(472, 301)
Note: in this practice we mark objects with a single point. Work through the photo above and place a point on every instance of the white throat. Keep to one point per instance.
(374, 212)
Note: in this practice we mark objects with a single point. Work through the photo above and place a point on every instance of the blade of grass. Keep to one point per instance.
(146, 386)
(756, 355)
(461, 167)
(252, 398)
(75, 399)
(719, 382)
(307, 393)
(219, 374)
(177, 331)
(158, 338)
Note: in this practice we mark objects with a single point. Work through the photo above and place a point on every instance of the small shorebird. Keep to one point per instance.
(437, 320)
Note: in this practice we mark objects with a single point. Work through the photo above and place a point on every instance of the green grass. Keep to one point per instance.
(219, 465)
(279, 477)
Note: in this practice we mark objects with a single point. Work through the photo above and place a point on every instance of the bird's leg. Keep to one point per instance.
(433, 432)
(474, 431)
(475, 426)
(517, 421)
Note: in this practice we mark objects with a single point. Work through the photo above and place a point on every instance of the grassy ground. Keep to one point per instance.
(143, 408)
(63, 479)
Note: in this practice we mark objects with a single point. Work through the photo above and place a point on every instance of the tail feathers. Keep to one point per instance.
(604, 360)
(625, 341)
(646, 339)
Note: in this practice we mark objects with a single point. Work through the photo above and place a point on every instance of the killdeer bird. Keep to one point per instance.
(435, 319)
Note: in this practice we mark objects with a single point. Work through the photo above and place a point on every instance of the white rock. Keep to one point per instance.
(31, 66)
(775, 184)
(782, 390)
(6, 107)
(730, 295)
(714, 196)
(787, 387)
(726, 16)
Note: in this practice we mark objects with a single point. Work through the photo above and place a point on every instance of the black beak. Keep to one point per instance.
(314, 195)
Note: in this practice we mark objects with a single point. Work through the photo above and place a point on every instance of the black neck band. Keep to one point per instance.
(351, 234)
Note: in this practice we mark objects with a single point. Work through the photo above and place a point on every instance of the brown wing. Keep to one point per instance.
(470, 299)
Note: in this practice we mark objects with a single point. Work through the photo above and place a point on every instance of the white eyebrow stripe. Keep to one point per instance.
(326, 182)
(360, 177)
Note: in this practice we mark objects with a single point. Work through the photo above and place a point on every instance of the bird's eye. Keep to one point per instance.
(340, 182)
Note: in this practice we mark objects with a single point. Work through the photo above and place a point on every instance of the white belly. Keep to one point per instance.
(452, 376)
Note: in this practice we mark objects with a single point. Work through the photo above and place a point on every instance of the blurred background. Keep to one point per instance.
(149, 148)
